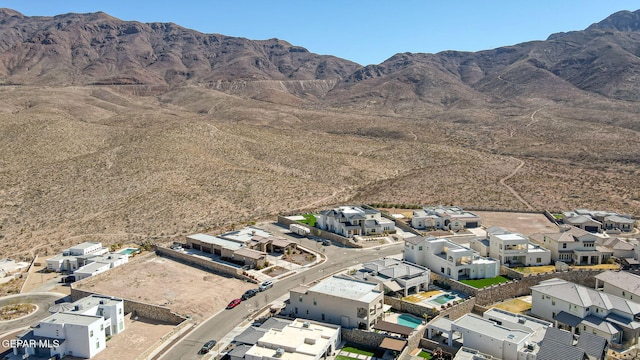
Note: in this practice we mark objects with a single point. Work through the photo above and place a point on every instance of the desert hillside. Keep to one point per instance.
(123, 131)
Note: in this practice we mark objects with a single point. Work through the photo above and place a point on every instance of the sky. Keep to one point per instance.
(366, 32)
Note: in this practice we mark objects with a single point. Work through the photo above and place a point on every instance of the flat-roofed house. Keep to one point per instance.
(515, 249)
(74, 257)
(80, 332)
(300, 340)
(338, 300)
(395, 275)
(448, 258)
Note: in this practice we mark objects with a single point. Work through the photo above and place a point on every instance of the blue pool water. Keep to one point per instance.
(443, 299)
(408, 320)
(128, 251)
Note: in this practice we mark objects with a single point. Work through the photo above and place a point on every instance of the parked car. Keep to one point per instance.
(208, 346)
(326, 242)
(265, 285)
(234, 303)
(249, 294)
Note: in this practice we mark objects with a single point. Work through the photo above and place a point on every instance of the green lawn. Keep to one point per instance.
(342, 357)
(480, 283)
(353, 350)
(309, 219)
(425, 355)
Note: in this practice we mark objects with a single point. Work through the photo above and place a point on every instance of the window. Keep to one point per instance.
(300, 298)
(91, 333)
(307, 312)
(315, 302)
(564, 246)
(97, 344)
(411, 247)
(420, 248)
(322, 317)
(101, 327)
(120, 311)
(553, 302)
(296, 310)
(538, 260)
(623, 294)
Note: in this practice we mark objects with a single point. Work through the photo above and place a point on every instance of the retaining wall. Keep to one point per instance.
(455, 285)
(410, 308)
(149, 311)
(207, 264)
(366, 339)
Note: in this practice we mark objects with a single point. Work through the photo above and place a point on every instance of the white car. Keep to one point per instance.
(265, 285)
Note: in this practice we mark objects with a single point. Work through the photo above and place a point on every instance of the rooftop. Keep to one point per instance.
(71, 319)
(86, 245)
(585, 297)
(301, 339)
(227, 244)
(491, 329)
(244, 235)
(348, 288)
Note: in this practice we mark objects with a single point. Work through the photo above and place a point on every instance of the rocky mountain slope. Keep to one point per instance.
(123, 131)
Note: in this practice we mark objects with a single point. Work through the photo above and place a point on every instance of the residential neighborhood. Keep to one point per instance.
(354, 282)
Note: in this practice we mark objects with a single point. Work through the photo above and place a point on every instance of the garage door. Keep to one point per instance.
(592, 229)
(196, 247)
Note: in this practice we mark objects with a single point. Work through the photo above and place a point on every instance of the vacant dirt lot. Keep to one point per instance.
(156, 280)
(524, 223)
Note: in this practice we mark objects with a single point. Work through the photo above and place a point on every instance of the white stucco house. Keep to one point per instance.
(445, 257)
(338, 300)
(350, 221)
(299, 340)
(581, 309)
(80, 332)
(72, 258)
(395, 275)
(513, 249)
(444, 218)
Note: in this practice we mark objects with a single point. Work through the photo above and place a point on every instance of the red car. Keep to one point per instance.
(234, 303)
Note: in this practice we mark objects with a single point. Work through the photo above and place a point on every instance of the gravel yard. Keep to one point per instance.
(157, 280)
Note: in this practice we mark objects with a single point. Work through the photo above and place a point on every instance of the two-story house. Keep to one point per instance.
(514, 249)
(581, 309)
(80, 332)
(619, 283)
(574, 245)
(338, 300)
(350, 221)
(445, 257)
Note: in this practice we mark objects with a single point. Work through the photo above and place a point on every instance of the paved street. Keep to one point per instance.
(226, 320)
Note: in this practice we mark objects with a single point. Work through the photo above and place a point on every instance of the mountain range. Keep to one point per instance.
(119, 130)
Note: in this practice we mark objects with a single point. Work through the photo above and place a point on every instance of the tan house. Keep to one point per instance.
(620, 283)
(574, 245)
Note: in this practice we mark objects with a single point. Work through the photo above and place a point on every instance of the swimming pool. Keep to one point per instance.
(443, 299)
(128, 251)
(408, 320)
